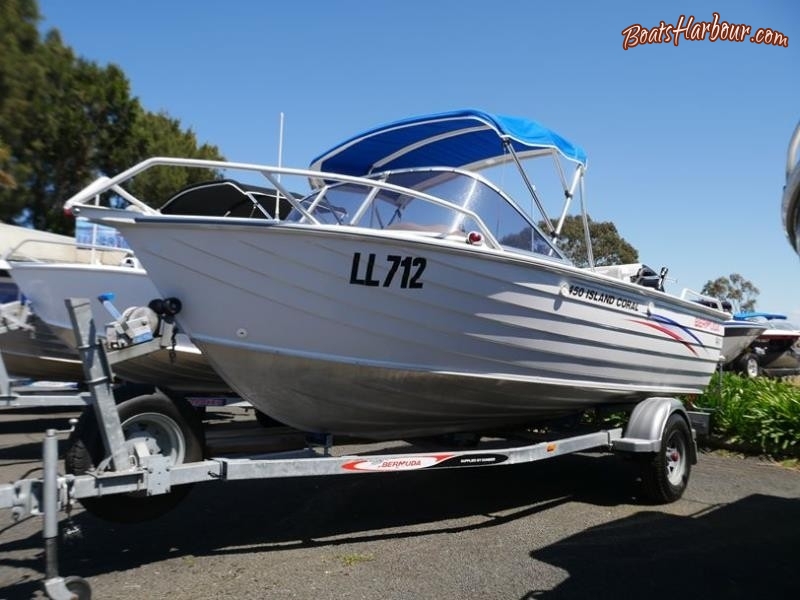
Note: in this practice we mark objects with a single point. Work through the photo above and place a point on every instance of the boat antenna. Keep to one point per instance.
(531, 189)
(280, 144)
(280, 163)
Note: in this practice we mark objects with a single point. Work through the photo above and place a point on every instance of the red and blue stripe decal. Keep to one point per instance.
(673, 329)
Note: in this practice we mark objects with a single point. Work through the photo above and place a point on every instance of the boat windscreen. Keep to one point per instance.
(508, 225)
(343, 204)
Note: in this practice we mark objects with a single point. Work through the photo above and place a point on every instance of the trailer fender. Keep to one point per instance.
(646, 426)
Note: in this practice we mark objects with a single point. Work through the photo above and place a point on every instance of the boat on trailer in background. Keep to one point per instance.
(97, 264)
(773, 352)
(29, 348)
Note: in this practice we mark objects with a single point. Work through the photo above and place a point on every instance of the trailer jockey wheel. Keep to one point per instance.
(79, 587)
(166, 426)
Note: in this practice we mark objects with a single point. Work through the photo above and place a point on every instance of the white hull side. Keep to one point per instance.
(304, 343)
(738, 336)
(47, 285)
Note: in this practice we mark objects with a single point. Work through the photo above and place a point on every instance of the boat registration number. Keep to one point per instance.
(400, 271)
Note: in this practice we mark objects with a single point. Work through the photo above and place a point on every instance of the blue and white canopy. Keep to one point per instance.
(744, 316)
(469, 139)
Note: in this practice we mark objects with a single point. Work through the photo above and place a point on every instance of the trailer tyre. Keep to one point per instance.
(748, 365)
(665, 474)
(169, 427)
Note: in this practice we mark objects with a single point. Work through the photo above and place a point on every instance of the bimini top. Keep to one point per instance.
(469, 139)
(744, 316)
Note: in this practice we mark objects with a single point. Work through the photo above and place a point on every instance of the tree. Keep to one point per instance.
(65, 120)
(161, 135)
(608, 247)
(735, 289)
(18, 40)
(6, 180)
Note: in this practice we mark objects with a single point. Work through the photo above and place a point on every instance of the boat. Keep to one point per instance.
(408, 295)
(47, 285)
(29, 349)
(10, 237)
(738, 336)
(791, 192)
(97, 262)
(8, 289)
(774, 350)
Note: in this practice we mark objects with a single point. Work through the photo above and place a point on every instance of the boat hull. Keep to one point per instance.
(37, 353)
(322, 337)
(47, 285)
(738, 336)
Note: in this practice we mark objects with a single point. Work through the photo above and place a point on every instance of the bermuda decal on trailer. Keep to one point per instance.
(410, 463)
(396, 463)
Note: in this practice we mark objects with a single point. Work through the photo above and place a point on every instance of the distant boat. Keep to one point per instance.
(773, 351)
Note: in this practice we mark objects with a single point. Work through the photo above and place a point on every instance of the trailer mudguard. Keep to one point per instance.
(646, 426)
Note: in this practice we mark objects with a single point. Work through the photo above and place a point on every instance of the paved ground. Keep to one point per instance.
(570, 527)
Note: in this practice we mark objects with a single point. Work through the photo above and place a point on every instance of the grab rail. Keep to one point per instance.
(271, 173)
(66, 251)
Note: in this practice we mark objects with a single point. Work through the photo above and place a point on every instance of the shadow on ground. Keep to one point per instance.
(748, 549)
(276, 515)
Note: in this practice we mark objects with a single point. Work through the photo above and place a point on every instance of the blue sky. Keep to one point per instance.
(686, 144)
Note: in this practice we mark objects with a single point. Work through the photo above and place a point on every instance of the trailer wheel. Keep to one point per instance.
(665, 474)
(748, 364)
(79, 587)
(169, 427)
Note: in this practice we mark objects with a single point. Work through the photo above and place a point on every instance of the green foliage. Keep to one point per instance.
(65, 120)
(737, 290)
(759, 413)
(160, 135)
(6, 180)
(608, 246)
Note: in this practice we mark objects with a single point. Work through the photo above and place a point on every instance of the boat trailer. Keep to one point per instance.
(131, 468)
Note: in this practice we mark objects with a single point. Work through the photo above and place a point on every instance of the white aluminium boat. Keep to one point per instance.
(409, 295)
(87, 267)
(30, 350)
(738, 337)
(28, 347)
(774, 351)
(739, 334)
